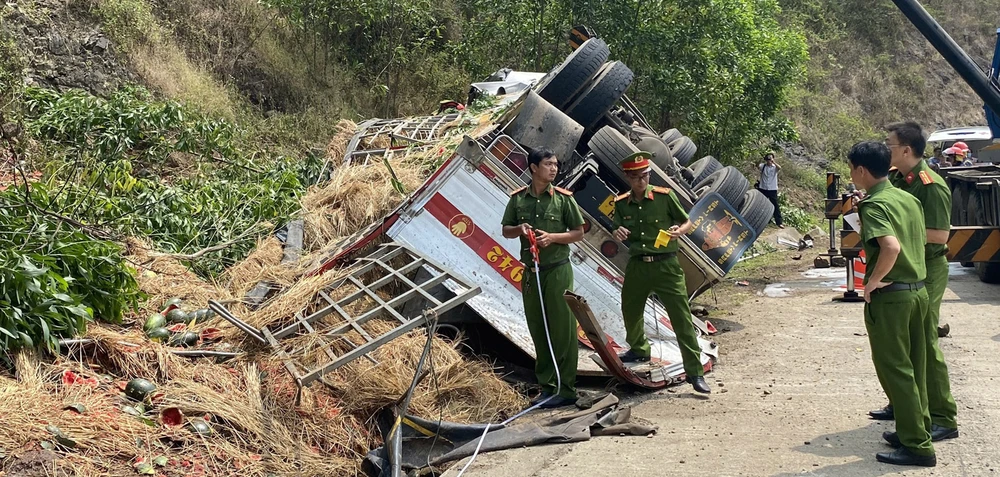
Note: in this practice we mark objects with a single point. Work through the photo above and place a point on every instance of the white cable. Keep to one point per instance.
(552, 353)
(474, 454)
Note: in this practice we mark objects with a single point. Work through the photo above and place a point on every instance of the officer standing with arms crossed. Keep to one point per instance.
(893, 237)
(652, 219)
(554, 217)
(913, 175)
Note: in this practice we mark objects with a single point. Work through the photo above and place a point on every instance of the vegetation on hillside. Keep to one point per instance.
(869, 67)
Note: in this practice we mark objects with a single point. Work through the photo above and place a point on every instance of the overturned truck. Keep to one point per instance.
(580, 111)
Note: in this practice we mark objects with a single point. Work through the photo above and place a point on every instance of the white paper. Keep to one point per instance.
(854, 221)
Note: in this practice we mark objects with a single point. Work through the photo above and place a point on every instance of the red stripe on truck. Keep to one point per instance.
(463, 228)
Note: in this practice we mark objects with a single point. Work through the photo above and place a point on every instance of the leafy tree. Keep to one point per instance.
(718, 70)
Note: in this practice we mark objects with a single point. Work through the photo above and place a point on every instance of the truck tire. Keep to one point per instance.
(671, 135)
(728, 182)
(687, 175)
(988, 272)
(703, 168)
(757, 210)
(959, 201)
(611, 146)
(566, 80)
(683, 150)
(976, 211)
(601, 94)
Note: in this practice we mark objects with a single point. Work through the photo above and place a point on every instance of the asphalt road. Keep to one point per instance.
(790, 396)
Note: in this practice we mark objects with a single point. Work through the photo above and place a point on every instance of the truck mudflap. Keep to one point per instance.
(608, 353)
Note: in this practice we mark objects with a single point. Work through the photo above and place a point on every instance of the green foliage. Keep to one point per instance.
(53, 278)
(395, 47)
(114, 154)
(720, 71)
(797, 217)
(129, 125)
(131, 22)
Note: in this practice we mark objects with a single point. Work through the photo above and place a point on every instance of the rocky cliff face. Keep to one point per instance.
(63, 46)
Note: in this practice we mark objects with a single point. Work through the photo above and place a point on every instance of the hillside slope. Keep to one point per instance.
(869, 66)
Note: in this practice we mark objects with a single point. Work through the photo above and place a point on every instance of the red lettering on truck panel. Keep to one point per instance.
(463, 228)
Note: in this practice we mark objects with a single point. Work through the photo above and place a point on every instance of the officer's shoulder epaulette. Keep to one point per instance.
(621, 197)
(926, 178)
(563, 191)
(661, 190)
(518, 191)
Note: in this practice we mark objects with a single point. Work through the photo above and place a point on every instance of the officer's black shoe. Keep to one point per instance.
(558, 401)
(938, 433)
(903, 456)
(541, 397)
(630, 357)
(943, 330)
(699, 384)
(892, 438)
(884, 414)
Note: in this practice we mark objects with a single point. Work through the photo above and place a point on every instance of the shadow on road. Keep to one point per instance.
(862, 443)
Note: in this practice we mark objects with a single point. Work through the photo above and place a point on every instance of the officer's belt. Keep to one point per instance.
(549, 266)
(656, 257)
(898, 287)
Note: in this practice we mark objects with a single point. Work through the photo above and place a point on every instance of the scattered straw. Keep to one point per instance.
(262, 423)
(263, 264)
(163, 277)
(467, 390)
(337, 148)
(355, 196)
(293, 299)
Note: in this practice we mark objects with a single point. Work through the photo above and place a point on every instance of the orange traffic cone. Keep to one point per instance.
(859, 272)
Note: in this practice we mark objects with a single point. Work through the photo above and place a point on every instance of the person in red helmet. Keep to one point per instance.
(967, 159)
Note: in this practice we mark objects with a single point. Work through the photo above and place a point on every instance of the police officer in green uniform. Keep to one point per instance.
(914, 175)
(554, 217)
(652, 220)
(893, 237)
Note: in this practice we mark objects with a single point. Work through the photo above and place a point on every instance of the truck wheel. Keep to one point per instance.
(563, 82)
(989, 272)
(601, 94)
(687, 175)
(959, 201)
(611, 146)
(974, 210)
(660, 152)
(703, 168)
(757, 210)
(683, 149)
(728, 182)
(641, 132)
(671, 135)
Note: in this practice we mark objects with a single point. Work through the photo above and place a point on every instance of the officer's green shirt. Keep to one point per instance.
(935, 198)
(555, 211)
(657, 210)
(888, 211)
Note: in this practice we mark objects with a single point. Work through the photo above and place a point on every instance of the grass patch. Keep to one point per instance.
(159, 59)
(166, 68)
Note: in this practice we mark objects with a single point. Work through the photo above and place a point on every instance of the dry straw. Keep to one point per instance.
(263, 264)
(163, 277)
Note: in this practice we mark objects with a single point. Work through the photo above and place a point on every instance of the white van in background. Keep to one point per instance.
(979, 139)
